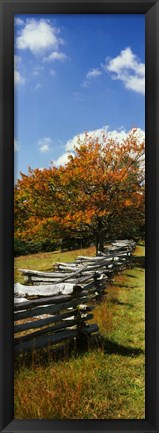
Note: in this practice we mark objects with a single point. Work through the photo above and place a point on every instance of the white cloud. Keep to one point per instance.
(129, 69)
(93, 73)
(62, 160)
(95, 134)
(56, 55)
(44, 148)
(18, 77)
(44, 144)
(18, 22)
(117, 135)
(16, 145)
(38, 36)
(136, 83)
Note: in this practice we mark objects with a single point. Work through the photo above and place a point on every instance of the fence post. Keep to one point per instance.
(82, 337)
(98, 286)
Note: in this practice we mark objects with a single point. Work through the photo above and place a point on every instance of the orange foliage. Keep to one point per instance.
(100, 191)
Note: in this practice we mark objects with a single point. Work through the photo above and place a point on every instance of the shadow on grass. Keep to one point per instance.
(73, 350)
(124, 286)
(115, 301)
(111, 347)
(138, 261)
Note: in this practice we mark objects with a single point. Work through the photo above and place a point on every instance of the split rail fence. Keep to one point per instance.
(52, 307)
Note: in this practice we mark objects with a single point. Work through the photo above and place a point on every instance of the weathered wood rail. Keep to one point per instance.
(58, 318)
(56, 306)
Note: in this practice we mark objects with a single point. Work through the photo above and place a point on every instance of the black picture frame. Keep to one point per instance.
(8, 8)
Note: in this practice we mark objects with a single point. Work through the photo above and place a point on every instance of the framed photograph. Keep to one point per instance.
(79, 216)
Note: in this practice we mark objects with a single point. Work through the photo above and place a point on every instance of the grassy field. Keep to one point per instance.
(46, 261)
(107, 382)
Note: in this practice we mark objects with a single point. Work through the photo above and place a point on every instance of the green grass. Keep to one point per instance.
(107, 382)
(46, 261)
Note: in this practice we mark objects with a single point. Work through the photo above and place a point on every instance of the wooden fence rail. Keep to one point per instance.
(56, 306)
(56, 318)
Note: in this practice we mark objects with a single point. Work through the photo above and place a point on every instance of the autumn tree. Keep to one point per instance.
(98, 194)
(36, 202)
(104, 186)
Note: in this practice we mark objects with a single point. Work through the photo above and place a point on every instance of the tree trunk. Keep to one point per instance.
(99, 238)
(99, 242)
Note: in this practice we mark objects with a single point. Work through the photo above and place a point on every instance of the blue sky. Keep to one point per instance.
(75, 73)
